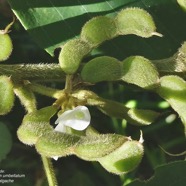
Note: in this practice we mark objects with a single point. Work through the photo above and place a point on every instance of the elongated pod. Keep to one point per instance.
(57, 144)
(93, 147)
(72, 54)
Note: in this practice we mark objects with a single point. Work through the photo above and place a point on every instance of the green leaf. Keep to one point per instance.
(5, 141)
(53, 22)
(172, 174)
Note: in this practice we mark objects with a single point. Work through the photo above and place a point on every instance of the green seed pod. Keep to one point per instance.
(98, 29)
(72, 54)
(135, 21)
(56, 144)
(103, 68)
(140, 71)
(5, 46)
(144, 117)
(182, 4)
(180, 62)
(172, 89)
(93, 147)
(6, 95)
(124, 159)
(35, 124)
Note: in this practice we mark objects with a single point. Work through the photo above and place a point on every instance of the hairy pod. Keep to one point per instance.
(135, 21)
(7, 95)
(72, 54)
(140, 71)
(98, 29)
(103, 68)
(172, 89)
(36, 124)
(143, 117)
(180, 62)
(5, 46)
(93, 147)
(124, 159)
(57, 144)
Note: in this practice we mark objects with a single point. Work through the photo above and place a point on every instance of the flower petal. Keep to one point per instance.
(79, 118)
(63, 116)
(60, 127)
(55, 157)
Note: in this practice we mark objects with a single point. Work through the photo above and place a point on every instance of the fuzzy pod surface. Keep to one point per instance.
(102, 68)
(98, 29)
(35, 124)
(135, 21)
(93, 147)
(7, 95)
(140, 71)
(124, 159)
(5, 46)
(72, 54)
(57, 144)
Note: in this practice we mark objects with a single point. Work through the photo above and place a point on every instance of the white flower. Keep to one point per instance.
(78, 119)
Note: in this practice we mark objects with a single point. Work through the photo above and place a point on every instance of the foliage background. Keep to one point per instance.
(28, 48)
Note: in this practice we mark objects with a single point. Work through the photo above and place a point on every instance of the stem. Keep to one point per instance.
(175, 64)
(49, 170)
(68, 84)
(34, 72)
(26, 97)
(47, 91)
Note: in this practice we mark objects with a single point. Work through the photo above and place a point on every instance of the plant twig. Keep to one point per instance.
(34, 72)
(49, 170)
